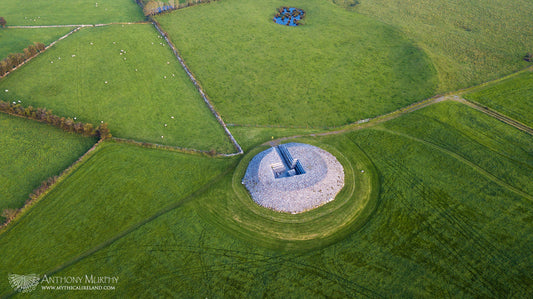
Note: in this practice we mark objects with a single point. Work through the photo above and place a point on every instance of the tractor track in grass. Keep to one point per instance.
(495, 114)
(184, 200)
(460, 158)
(455, 223)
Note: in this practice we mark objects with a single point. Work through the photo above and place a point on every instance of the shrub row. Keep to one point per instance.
(210, 153)
(15, 59)
(10, 214)
(67, 124)
(153, 7)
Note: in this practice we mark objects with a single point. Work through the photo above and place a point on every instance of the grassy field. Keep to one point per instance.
(448, 222)
(30, 153)
(231, 208)
(338, 68)
(512, 97)
(443, 208)
(116, 189)
(469, 43)
(250, 137)
(57, 12)
(15, 40)
(146, 87)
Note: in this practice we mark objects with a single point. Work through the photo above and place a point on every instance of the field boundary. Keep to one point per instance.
(39, 53)
(183, 200)
(495, 114)
(74, 25)
(462, 159)
(200, 90)
(171, 148)
(21, 212)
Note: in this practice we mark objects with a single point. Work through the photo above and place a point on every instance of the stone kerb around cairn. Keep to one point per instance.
(294, 178)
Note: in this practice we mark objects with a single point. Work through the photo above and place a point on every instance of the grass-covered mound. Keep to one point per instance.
(447, 218)
(512, 97)
(468, 42)
(30, 153)
(59, 12)
(15, 40)
(125, 76)
(338, 68)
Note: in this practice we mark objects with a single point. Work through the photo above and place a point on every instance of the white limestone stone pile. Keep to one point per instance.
(321, 182)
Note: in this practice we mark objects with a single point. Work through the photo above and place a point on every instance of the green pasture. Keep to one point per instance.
(512, 97)
(15, 40)
(448, 221)
(117, 189)
(233, 209)
(147, 94)
(336, 69)
(250, 137)
(469, 42)
(30, 153)
(58, 12)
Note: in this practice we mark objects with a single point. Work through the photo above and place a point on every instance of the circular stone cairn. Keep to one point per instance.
(273, 184)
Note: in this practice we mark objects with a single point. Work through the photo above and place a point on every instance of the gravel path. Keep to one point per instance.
(322, 180)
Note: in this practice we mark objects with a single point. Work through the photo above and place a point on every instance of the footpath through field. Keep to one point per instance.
(454, 96)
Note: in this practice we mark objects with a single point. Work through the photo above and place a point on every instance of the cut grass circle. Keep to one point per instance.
(322, 226)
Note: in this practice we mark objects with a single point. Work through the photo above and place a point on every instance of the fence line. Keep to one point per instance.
(200, 90)
(39, 53)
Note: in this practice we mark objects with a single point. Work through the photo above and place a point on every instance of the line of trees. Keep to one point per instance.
(67, 124)
(154, 7)
(15, 59)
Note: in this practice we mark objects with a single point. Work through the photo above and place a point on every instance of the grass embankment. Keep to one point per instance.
(125, 76)
(117, 188)
(512, 97)
(30, 153)
(441, 226)
(337, 68)
(234, 210)
(15, 40)
(469, 43)
(58, 12)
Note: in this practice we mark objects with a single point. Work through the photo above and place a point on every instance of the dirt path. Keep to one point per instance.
(411, 108)
(501, 117)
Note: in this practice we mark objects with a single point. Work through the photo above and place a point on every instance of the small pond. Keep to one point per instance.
(289, 16)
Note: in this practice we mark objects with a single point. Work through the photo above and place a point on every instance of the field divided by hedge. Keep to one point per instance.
(438, 222)
(123, 75)
(119, 186)
(15, 40)
(31, 153)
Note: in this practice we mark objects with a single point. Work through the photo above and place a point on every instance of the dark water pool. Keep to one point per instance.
(289, 16)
